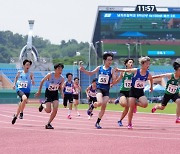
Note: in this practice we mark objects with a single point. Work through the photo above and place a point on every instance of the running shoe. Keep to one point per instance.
(21, 115)
(130, 126)
(153, 110)
(41, 107)
(120, 123)
(14, 120)
(178, 120)
(69, 117)
(89, 117)
(78, 114)
(49, 126)
(89, 111)
(98, 126)
(135, 109)
(116, 101)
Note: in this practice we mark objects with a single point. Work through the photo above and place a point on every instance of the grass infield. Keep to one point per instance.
(170, 108)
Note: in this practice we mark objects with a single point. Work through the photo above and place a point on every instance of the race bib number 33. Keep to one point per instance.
(103, 79)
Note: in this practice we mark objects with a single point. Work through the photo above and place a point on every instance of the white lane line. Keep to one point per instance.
(138, 120)
(95, 134)
(138, 129)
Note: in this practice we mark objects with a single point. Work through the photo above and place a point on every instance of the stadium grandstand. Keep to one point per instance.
(124, 33)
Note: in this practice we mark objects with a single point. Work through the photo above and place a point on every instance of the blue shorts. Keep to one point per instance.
(21, 93)
(103, 91)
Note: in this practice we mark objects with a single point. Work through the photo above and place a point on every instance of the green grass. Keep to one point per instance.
(170, 108)
(123, 51)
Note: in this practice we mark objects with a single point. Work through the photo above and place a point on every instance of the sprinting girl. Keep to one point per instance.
(76, 91)
(68, 93)
(22, 84)
(123, 98)
(91, 94)
(54, 81)
(141, 75)
(172, 90)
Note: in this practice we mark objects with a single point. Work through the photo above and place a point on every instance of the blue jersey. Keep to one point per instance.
(104, 77)
(53, 84)
(139, 81)
(92, 92)
(24, 82)
(68, 88)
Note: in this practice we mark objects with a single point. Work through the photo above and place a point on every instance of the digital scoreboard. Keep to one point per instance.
(143, 30)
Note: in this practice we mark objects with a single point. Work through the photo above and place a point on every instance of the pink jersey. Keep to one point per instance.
(76, 89)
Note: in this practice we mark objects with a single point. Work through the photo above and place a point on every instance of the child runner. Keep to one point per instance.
(124, 89)
(22, 83)
(141, 75)
(76, 91)
(105, 74)
(172, 90)
(91, 94)
(54, 82)
(68, 93)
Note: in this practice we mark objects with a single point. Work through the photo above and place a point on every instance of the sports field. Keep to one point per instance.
(122, 49)
(170, 109)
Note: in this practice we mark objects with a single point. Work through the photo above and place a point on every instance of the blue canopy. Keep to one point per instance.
(147, 87)
(132, 34)
(158, 88)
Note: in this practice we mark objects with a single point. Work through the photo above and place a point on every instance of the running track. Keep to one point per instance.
(152, 133)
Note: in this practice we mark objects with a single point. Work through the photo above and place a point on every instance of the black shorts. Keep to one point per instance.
(67, 97)
(20, 94)
(75, 96)
(124, 93)
(51, 96)
(136, 93)
(167, 97)
(92, 100)
(103, 91)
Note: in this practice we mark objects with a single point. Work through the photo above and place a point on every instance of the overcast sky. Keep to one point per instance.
(58, 20)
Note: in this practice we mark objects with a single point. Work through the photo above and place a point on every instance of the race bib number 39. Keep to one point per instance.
(172, 88)
(53, 87)
(23, 85)
(103, 79)
(127, 83)
(139, 84)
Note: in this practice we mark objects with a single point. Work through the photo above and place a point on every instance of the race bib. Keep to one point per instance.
(53, 87)
(76, 91)
(172, 88)
(69, 89)
(103, 79)
(92, 94)
(139, 84)
(23, 84)
(127, 83)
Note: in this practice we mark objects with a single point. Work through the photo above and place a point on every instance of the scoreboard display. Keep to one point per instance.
(144, 30)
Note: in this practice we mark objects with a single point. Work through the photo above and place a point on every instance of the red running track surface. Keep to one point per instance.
(152, 133)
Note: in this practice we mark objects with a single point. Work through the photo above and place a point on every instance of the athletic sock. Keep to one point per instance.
(92, 106)
(69, 112)
(98, 120)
